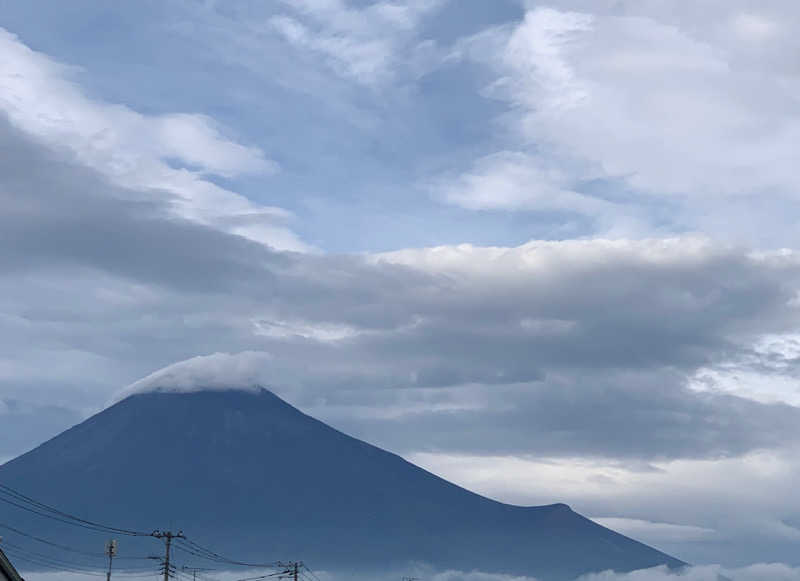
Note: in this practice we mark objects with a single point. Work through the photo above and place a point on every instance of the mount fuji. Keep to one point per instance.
(248, 474)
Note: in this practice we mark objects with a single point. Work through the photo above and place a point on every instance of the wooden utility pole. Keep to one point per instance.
(167, 536)
(290, 570)
(111, 551)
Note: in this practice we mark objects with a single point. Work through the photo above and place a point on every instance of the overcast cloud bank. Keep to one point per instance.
(757, 572)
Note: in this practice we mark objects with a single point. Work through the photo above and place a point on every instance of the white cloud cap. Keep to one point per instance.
(245, 371)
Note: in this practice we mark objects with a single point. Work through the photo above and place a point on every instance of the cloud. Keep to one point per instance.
(765, 572)
(647, 101)
(757, 572)
(471, 329)
(654, 532)
(148, 157)
(648, 105)
(575, 347)
(513, 180)
(755, 515)
(247, 371)
(367, 44)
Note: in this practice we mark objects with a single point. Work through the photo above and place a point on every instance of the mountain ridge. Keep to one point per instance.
(251, 469)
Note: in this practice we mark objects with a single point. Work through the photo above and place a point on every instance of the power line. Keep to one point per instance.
(204, 577)
(310, 572)
(24, 502)
(44, 561)
(57, 545)
(195, 571)
(37, 563)
(200, 551)
(56, 514)
(50, 558)
(168, 536)
(278, 574)
(56, 561)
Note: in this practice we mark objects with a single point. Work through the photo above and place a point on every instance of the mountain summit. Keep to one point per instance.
(245, 472)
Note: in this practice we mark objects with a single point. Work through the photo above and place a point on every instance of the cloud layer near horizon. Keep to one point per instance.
(756, 572)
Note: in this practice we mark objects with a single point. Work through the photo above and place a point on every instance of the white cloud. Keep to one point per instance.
(686, 106)
(759, 572)
(767, 373)
(287, 329)
(149, 155)
(246, 371)
(648, 102)
(654, 532)
(365, 44)
(686, 507)
(752, 27)
(542, 256)
(514, 180)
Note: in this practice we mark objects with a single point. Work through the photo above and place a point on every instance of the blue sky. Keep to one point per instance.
(355, 157)
(547, 250)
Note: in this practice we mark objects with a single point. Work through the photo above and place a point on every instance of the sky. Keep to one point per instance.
(547, 250)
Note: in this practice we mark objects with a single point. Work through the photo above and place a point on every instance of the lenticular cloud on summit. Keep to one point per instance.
(245, 371)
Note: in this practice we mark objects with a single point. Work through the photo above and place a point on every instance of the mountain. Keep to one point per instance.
(254, 478)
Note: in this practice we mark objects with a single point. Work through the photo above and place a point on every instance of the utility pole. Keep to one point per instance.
(111, 551)
(167, 536)
(290, 570)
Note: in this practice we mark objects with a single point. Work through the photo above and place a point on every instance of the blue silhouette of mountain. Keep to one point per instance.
(254, 478)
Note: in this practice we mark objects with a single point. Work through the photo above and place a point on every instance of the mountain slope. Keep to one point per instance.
(253, 476)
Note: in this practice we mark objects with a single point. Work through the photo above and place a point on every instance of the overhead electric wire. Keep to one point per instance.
(29, 509)
(62, 516)
(58, 565)
(260, 577)
(62, 547)
(15, 498)
(56, 561)
(310, 572)
(180, 574)
(47, 566)
(45, 561)
(200, 551)
(204, 577)
(222, 561)
(195, 553)
(21, 556)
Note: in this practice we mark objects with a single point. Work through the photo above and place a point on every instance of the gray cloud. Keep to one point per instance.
(551, 348)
